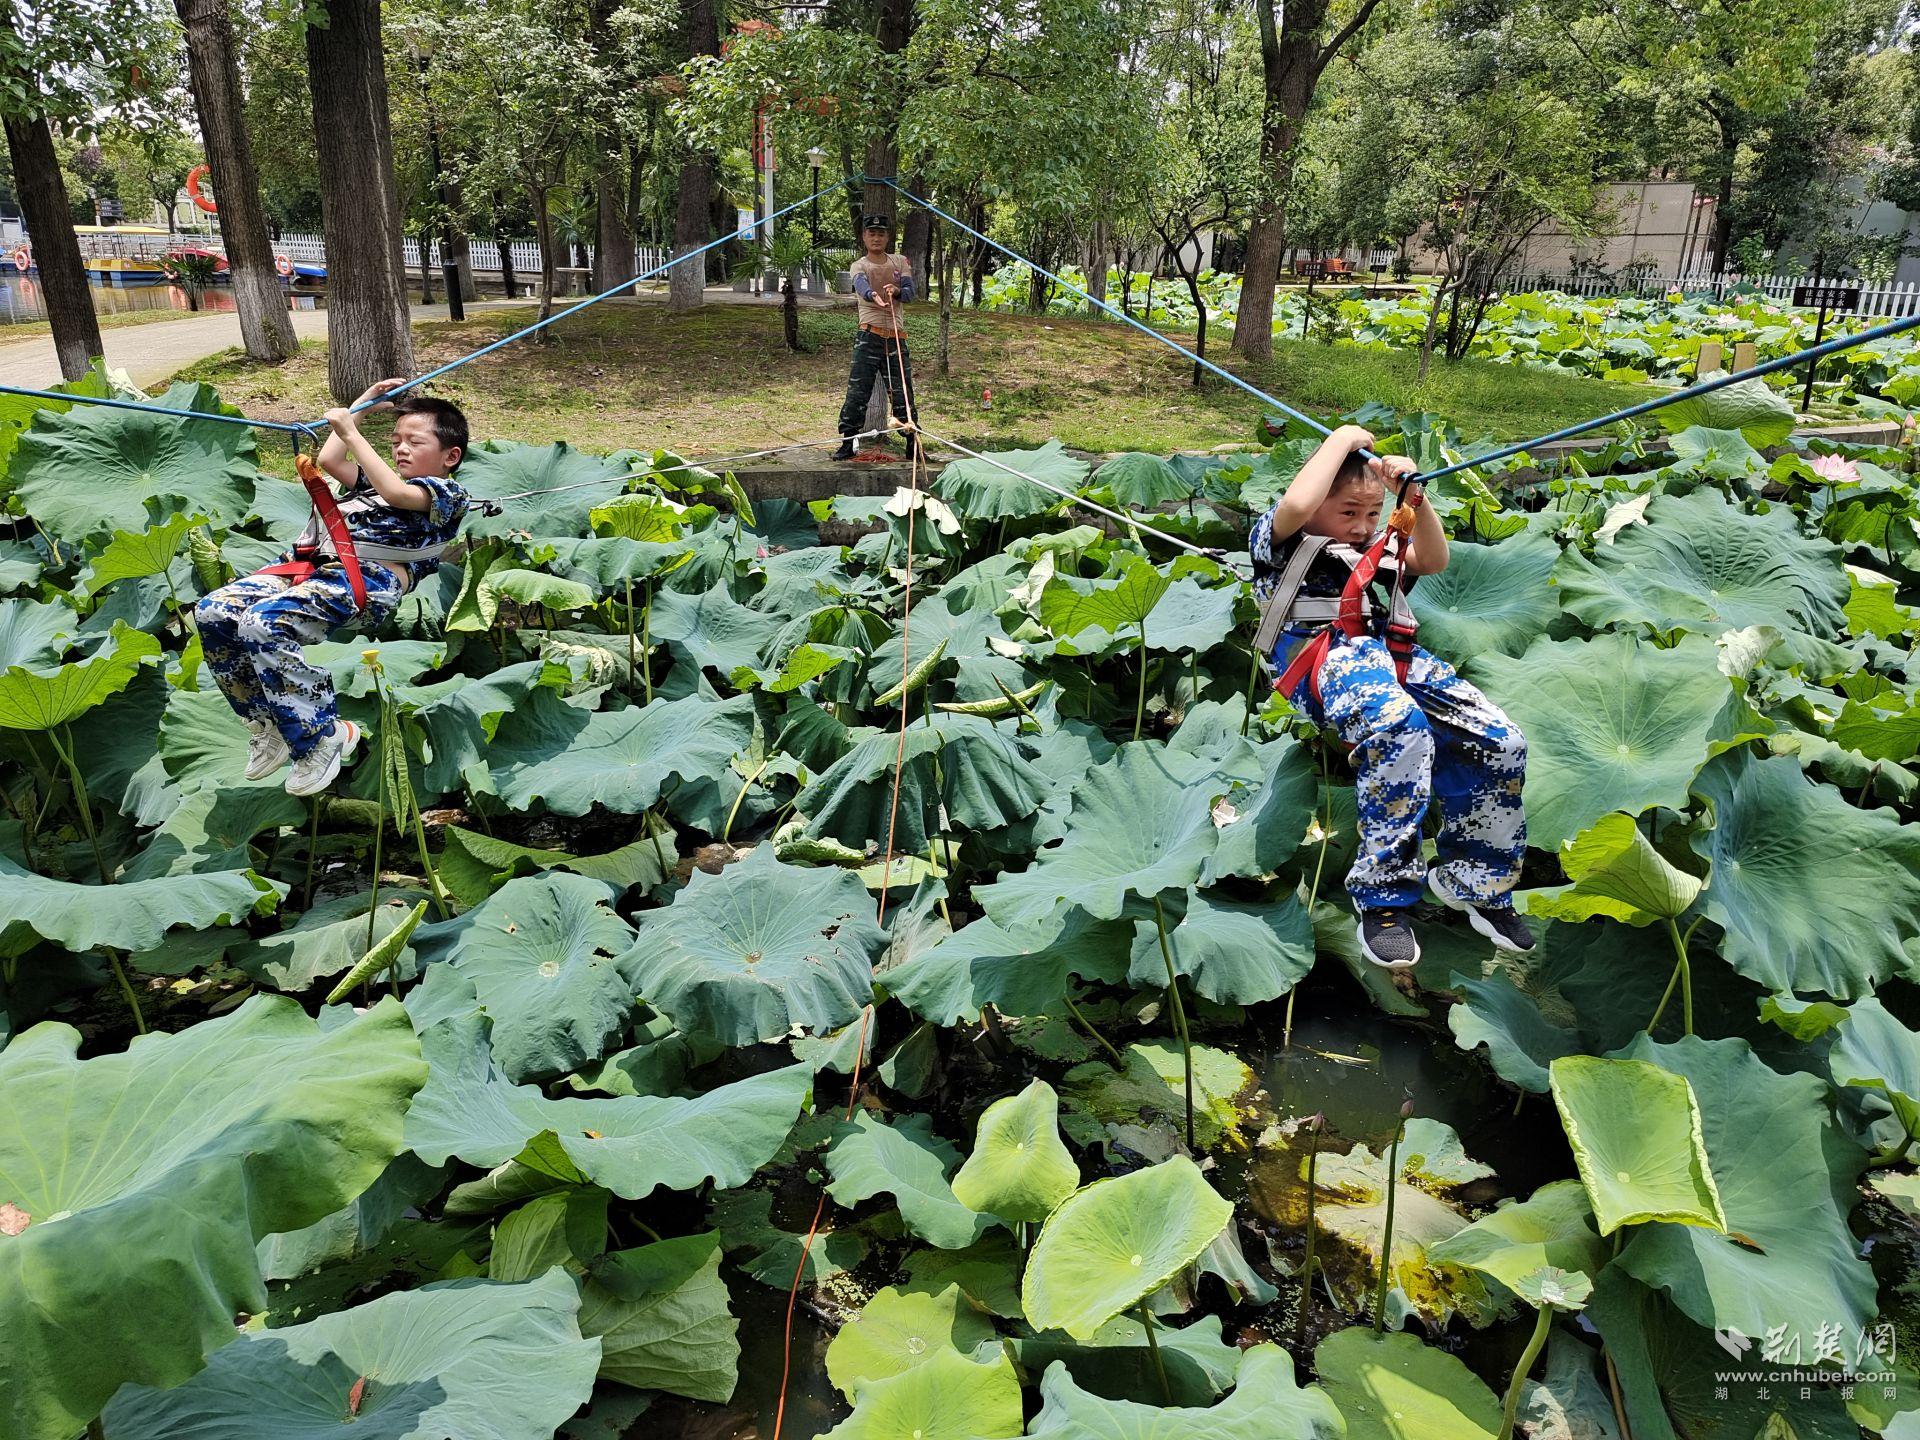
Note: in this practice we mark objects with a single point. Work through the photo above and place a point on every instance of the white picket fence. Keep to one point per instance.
(485, 253)
(1889, 301)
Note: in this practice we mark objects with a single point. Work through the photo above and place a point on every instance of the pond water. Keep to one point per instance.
(21, 301)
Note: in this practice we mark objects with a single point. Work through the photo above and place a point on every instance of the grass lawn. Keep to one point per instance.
(720, 380)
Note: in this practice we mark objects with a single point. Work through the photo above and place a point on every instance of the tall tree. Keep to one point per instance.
(1293, 55)
(368, 334)
(687, 282)
(56, 249)
(266, 330)
(613, 241)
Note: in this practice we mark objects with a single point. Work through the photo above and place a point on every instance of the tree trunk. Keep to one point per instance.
(367, 329)
(916, 236)
(509, 284)
(56, 249)
(692, 221)
(790, 313)
(613, 242)
(943, 261)
(543, 232)
(893, 30)
(1723, 219)
(1097, 263)
(266, 329)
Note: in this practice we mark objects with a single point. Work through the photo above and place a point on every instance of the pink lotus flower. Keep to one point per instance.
(1836, 469)
(761, 553)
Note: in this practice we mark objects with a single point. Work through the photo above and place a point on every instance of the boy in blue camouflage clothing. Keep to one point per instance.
(252, 630)
(1431, 736)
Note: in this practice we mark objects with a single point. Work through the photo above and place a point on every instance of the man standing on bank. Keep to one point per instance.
(881, 282)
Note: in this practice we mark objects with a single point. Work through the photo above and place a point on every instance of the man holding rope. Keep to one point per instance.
(882, 282)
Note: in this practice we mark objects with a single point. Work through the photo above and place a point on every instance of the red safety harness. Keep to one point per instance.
(308, 554)
(1352, 621)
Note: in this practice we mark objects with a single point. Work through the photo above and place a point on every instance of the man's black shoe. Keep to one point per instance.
(1387, 938)
(845, 452)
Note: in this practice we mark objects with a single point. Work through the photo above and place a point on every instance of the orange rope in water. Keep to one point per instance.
(886, 870)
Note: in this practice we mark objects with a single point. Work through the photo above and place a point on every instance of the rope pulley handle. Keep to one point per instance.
(1413, 494)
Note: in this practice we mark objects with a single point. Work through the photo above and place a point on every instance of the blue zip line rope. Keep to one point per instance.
(1122, 316)
(112, 404)
(1705, 387)
(592, 300)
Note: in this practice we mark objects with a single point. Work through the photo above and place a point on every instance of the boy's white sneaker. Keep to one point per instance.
(266, 749)
(1499, 923)
(314, 771)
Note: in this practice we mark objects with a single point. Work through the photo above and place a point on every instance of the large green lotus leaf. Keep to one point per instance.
(1673, 1374)
(353, 1230)
(1152, 1089)
(775, 1256)
(1786, 1176)
(146, 1177)
(478, 605)
(31, 634)
(948, 1398)
(326, 940)
(20, 564)
(1875, 1051)
(627, 1144)
(1235, 953)
(607, 561)
(1752, 407)
(93, 470)
(134, 916)
(473, 865)
(1617, 873)
(967, 631)
(574, 759)
(1116, 1242)
(1191, 616)
(712, 629)
(45, 700)
(661, 1314)
(1553, 1226)
(1815, 894)
(959, 764)
(502, 467)
(1266, 1402)
(541, 955)
(1145, 480)
(1391, 1387)
(1068, 606)
(471, 1358)
(899, 1329)
(1118, 1363)
(762, 946)
(1636, 1138)
(1141, 824)
(907, 1160)
(1020, 1169)
(1705, 565)
(136, 554)
(213, 830)
(1612, 723)
(1021, 970)
(982, 491)
(1491, 599)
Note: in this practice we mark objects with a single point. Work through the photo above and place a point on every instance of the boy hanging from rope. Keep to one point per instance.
(1418, 731)
(883, 282)
(352, 565)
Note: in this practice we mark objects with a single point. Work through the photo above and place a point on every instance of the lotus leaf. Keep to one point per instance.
(146, 1177)
(1019, 1168)
(325, 940)
(1392, 1387)
(1551, 1227)
(495, 468)
(1267, 1401)
(1611, 723)
(1490, 599)
(33, 635)
(1815, 894)
(1118, 1363)
(1635, 1132)
(899, 1329)
(1876, 1052)
(136, 554)
(134, 916)
(45, 700)
(467, 1357)
(981, 490)
(1144, 480)
(1115, 1242)
(1022, 970)
(630, 1145)
(573, 759)
(1617, 873)
(661, 1314)
(1749, 406)
(1702, 564)
(742, 955)
(566, 1227)
(473, 866)
(775, 1255)
(712, 629)
(1785, 1173)
(1153, 1088)
(907, 1160)
(1235, 953)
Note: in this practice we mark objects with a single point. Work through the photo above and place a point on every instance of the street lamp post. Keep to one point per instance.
(422, 47)
(816, 159)
(1382, 257)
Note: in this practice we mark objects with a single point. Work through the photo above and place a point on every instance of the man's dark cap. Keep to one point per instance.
(877, 222)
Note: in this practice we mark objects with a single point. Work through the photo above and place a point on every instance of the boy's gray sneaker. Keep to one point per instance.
(266, 749)
(1387, 938)
(314, 771)
(1499, 923)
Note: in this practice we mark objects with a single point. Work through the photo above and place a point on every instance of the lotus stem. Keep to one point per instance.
(1613, 1388)
(1386, 1238)
(95, 1430)
(732, 814)
(1140, 702)
(1313, 890)
(313, 851)
(379, 836)
(1306, 1268)
(1088, 1026)
(1153, 1349)
(1179, 1012)
(1683, 974)
(1253, 687)
(633, 653)
(646, 636)
(1542, 1321)
(80, 797)
(126, 989)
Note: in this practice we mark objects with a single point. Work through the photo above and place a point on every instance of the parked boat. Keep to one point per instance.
(309, 272)
(123, 254)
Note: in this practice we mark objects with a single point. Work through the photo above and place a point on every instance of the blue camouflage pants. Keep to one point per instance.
(1435, 738)
(251, 632)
